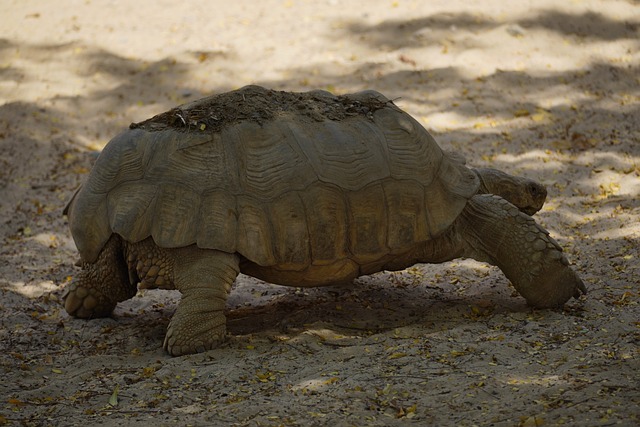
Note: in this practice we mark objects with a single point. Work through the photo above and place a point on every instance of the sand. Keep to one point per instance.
(546, 89)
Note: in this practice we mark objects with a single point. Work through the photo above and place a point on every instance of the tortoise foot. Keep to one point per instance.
(194, 328)
(86, 302)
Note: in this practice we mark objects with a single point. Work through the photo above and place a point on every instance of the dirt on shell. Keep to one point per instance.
(258, 104)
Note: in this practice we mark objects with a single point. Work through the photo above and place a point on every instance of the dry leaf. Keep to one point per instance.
(396, 356)
(113, 400)
(16, 402)
(407, 60)
(331, 380)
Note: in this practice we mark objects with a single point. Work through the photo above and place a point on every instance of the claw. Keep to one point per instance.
(580, 290)
(71, 301)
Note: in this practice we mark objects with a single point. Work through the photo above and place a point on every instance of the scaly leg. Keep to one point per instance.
(100, 285)
(495, 231)
(204, 277)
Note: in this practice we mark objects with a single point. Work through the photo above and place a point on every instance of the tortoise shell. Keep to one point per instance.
(283, 179)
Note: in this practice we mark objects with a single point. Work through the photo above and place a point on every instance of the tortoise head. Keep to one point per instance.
(527, 195)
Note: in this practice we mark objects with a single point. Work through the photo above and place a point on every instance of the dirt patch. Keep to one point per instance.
(258, 104)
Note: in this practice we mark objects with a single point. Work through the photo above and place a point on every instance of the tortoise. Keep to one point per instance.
(297, 189)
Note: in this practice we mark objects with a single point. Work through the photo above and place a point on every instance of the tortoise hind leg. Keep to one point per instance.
(204, 277)
(100, 285)
(495, 231)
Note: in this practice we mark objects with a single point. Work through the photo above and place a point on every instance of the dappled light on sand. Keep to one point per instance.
(33, 290)
(548, 90)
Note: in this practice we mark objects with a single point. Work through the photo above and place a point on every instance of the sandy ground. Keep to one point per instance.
(546, 89)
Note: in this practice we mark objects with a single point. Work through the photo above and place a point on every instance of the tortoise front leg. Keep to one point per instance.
(495, 231)
(204, 277)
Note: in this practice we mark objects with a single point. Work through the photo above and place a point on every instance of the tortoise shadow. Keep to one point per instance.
(373, 304)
